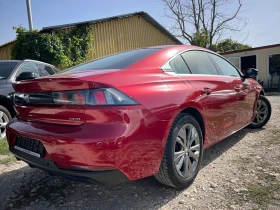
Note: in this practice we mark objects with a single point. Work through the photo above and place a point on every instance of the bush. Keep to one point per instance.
(58, 48)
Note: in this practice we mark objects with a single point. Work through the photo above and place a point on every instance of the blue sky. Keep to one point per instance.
(262, 29)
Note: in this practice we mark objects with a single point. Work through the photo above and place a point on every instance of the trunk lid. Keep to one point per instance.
(29, 92)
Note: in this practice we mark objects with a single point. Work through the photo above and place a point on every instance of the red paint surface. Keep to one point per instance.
(132, 138)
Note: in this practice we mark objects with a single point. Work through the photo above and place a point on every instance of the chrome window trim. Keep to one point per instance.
(192, 75)
(167, 68)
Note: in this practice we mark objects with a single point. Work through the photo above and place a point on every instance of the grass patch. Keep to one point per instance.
(7, 160)
(242, 161)
(7, 156)
(263, 195)
(4, 147)
(260, 195)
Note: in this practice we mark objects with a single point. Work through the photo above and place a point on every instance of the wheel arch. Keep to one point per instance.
(5, 102)
(262, 93)
(198, 116)
(193, 110)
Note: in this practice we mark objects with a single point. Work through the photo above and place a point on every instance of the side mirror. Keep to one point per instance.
(251, 73)
(25, 76)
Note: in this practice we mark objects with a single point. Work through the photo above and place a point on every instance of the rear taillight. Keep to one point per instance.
(108, 96)
(103, 96)
(77, 97)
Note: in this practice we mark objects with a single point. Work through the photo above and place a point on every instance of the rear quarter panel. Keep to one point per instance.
(164, 95)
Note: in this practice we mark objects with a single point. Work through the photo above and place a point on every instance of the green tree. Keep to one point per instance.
(58, 48)
(201, 39)
(229, 45)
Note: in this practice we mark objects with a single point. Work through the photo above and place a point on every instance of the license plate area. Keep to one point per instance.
(30, 146)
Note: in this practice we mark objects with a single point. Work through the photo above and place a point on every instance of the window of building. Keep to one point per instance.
(274, 64)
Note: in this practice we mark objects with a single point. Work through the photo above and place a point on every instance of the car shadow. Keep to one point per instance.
(33, 188)
(221, 147)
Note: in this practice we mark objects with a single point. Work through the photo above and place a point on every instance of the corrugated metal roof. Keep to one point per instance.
(7, 43)
(145, 15)
(250, 49)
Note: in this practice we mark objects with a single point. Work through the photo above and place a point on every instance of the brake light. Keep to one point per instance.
(109, 96)
(99, 97)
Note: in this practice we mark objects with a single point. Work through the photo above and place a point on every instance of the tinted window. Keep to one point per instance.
(44, 70)
(225, 66)
(6, 69)
(274, 63)
(199, 63)
(117, 61)
(29, 67)
(179, 65)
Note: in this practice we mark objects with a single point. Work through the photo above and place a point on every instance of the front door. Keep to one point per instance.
(245, 94)
(218, 96)
(246, 98)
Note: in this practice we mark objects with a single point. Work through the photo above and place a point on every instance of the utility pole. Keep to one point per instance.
(29, 14)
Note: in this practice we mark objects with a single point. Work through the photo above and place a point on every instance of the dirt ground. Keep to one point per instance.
(241, 172)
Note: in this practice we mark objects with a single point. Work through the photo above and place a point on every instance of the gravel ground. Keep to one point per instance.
(241, 172)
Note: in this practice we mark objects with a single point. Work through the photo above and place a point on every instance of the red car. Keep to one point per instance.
(135, 114)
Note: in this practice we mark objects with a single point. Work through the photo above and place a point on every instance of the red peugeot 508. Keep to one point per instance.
(135, 114)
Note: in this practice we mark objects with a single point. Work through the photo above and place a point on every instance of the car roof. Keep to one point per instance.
(26, 60)
(178, 48)
(183, 46)
(10, 61)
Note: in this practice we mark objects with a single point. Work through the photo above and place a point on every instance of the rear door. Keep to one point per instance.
(217, 95)
(245, 93)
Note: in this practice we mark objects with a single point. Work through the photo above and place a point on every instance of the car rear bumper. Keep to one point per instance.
(130, 140)
(109, 177)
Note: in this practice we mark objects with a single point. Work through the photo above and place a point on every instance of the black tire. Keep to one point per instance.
(8, 114)
(168, 174)
(266, 101)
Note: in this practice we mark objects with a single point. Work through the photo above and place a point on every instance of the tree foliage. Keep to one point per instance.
(204, 21)
(200, 39)
(57, 47)
(229, 45)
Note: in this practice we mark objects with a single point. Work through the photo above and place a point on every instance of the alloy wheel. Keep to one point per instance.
(4, 119)
(261, 113)
(187, 151)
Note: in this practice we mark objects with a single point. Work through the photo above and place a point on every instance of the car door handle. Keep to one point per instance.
(206, 91)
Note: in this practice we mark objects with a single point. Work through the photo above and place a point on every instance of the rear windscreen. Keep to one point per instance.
(6, 69)
(116, 61)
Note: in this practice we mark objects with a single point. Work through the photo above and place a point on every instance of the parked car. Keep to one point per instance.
(12, 70)
(135, 114)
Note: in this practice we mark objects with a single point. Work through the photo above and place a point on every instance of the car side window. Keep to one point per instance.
(199, 63)
(179, 66)
(29, 67)
(227, 68)
(44, 70)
